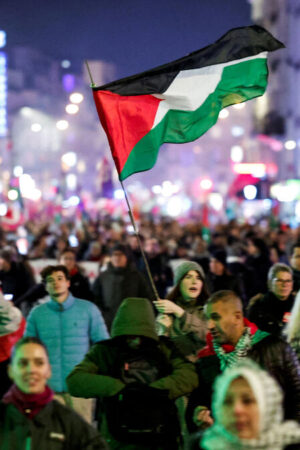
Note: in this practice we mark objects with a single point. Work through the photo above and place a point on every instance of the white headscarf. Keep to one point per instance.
(274, 434)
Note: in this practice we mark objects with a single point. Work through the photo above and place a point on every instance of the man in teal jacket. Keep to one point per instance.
(68, 326)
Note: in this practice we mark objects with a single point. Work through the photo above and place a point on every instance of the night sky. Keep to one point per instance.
(135, 35)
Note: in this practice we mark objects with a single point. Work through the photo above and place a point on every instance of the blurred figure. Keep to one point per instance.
(159, 268)
(29, 417)
(79, 283)
(219, 277)
(138, 375)
(247, 407)
(259, 261)
(181, 315)
(295, 264)
(292, 328)
(119, 281)
(16, 277)
(271, 311)
(12, 327)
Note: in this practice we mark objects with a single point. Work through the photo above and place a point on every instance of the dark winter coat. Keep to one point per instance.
(113, 285)
(55, 427)
(267, 312)
(272, 354)
(16, 281)
(103, 372)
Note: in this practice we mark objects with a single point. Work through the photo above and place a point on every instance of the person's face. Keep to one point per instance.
(68, 259)
(30, 368)
(191, 285)
(216, 267)
(282, 285)
(118, 259)
(251, 249)
(4, 265)
(240, 412)
(57, 285)
(222, 322)
(295, 258)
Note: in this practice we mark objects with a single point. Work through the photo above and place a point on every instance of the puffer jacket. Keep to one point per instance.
(271, 353)
(55, 427)
(68, 329)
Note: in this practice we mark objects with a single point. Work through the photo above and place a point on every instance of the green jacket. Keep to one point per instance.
(95, 376)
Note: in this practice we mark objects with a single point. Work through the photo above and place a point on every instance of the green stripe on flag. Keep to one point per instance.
(239, 82)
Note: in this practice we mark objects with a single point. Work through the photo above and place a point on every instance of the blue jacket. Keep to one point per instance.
(68, 329)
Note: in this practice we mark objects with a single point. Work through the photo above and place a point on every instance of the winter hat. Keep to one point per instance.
(219, 255)
(135, 317)
(182, 269)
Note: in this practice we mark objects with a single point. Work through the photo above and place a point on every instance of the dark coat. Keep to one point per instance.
(55, 427)
(271, 353)
(17, 280)
(113, 285)
(267, 312)
(108, 368)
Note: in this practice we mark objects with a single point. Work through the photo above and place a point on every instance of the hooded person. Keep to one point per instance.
(248, 412)
(138, 375)
(181, 315)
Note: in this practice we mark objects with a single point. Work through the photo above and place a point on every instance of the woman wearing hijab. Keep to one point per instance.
(29, 417)
(181, 315)
(248, 413)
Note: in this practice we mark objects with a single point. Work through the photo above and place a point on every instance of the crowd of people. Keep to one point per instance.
(209, 360)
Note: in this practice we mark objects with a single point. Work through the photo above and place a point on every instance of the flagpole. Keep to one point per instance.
(90, 74)
(140, 243)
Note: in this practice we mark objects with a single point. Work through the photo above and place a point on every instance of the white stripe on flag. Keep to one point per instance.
(190, 88)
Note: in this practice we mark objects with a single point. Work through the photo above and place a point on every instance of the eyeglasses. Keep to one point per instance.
(278, 280)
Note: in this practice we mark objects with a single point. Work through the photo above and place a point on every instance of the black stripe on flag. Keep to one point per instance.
(236, 44)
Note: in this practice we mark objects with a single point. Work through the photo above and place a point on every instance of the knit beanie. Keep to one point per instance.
(182, 269)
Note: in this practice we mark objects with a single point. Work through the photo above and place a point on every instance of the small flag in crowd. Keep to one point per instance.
(179, 101)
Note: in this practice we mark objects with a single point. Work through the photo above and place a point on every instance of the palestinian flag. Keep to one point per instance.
(181, 100)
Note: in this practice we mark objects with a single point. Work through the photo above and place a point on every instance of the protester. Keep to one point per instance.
(295, 264)
(231, 338)
(67, 325)
(12, 327)
(138, 375)
(219, 277)
(259, 261)
(247, 407)
(16, 277)
(119, 281)
(292, 328)
(181, 315)
(29, 417)
(271, 311)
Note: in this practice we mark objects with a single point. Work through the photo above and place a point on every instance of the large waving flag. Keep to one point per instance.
(179, 101)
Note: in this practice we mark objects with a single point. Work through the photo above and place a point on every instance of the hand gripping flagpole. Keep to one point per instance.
(140, 243)
(131, 215)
